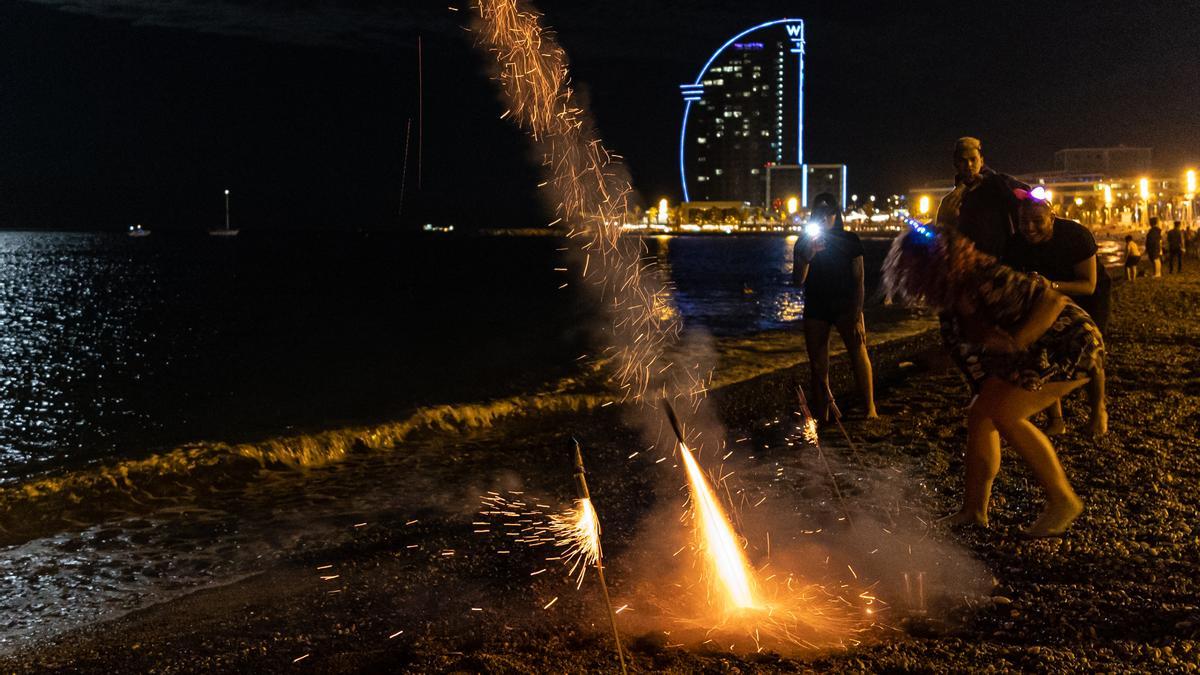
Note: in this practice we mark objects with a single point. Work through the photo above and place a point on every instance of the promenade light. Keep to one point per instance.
(793, 205)
(1108, 198)
(662, 211)
(923, 205)
(1190, 179)
(1144, 187)
(1079, 201)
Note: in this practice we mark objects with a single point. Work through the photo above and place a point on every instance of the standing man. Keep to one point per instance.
(982, 205)
(1154, 246)
(1175, 249)
(1063, 252)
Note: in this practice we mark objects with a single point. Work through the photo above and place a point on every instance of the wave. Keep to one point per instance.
(48, 503)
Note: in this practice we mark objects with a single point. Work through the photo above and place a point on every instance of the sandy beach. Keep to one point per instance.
(412, 589)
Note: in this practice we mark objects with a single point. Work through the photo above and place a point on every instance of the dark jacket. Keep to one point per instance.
(988, 212)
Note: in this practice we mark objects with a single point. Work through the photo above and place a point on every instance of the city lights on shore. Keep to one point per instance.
(793, 205)
(923, 205)
(1144, 189)
(1190, 180)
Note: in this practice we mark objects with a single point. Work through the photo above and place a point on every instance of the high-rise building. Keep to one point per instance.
(744, 112)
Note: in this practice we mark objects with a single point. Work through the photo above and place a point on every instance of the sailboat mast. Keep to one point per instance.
(420, 108)
(404, 168)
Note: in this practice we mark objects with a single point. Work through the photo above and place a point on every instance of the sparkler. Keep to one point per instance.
(591, 525)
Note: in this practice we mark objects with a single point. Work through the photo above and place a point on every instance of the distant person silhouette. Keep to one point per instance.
(1133, 256)
(1176, 246)
(1154, 246)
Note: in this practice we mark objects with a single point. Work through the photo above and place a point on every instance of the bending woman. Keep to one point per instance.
(828, 263)
(1021, 345)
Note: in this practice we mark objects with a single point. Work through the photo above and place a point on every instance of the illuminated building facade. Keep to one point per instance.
(744, 112)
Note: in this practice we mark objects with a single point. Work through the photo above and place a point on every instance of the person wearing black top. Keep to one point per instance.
(828, 264)
(1154, 246)
(982, 206)
(1063, 254)
(1175, 249)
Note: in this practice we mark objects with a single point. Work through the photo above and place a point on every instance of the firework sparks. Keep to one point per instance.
(718, 542)
(572, 535)
(577, 532)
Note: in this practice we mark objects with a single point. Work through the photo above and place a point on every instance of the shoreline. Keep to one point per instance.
(1121, 591)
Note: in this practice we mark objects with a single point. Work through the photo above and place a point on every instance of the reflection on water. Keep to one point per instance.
(740, 285)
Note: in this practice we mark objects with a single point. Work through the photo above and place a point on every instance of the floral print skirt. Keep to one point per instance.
(1069, 350)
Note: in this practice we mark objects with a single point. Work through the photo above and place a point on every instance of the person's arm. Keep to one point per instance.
(1084, 282)
(1041, 316)
(801, 256)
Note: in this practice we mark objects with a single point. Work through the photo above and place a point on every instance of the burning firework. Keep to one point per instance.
(586, 185)
(574, 533)
(572, 536)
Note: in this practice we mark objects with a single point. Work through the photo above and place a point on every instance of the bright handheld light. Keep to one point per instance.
(813, 230)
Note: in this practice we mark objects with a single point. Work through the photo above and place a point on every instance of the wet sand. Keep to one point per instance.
(1120, 592)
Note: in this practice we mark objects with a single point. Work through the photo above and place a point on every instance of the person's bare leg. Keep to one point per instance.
(816, 343)
(1015, 405)
(1158, 267)
(982, 464)
(1098, 423)
(1054, 419)
(854, 336)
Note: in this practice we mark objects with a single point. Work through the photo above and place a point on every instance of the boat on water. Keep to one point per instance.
(138, 231)
(224, 231)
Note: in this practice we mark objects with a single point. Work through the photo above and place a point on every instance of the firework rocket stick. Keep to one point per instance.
(837, 418)
(674, 421)
(821, 454)
(581, 490)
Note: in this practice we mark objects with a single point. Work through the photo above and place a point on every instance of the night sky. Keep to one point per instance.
(128, 111)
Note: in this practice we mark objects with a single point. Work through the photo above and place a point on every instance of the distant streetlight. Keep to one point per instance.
(793, 205)
(662, 211)
(1108, 198)
(1144, 186)
(1190, 179)
(1079, 201)
(923, 205)
(227, 208)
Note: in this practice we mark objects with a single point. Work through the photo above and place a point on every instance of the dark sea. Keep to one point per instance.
(114, 347)
(155, 391)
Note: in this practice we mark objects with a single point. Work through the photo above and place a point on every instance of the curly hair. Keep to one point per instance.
(935, 271)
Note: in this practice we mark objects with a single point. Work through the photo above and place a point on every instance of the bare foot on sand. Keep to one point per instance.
(965, 517)
(1098, 425)
(1056, 518)
(1055, 426)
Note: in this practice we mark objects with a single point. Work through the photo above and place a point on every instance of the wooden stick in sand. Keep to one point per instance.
(581, 490)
